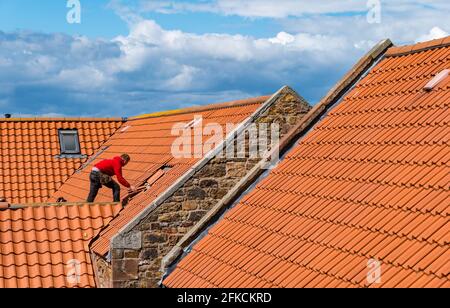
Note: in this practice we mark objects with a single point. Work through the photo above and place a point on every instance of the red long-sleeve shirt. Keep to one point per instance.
(113, 167)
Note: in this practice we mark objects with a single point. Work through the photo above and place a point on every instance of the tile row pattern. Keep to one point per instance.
(149, 143)
(31, 169)
(370, 182)
(47, 246)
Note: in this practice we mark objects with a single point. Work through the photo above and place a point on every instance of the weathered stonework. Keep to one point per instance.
(103, 272)
(163, 228)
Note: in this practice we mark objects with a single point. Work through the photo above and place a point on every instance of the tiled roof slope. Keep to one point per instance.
(43, 246)
(370, 181)
(30, 170)
(149, 140)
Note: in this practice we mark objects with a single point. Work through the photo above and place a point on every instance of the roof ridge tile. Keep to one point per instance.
(75, 119)
(418, 47)
(209, 107)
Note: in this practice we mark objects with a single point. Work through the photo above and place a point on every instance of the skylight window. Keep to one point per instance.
(69, 142)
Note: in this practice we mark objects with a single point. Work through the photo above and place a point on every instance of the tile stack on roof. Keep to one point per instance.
(47, 246)
(370, 181)
(148, 140)
(31, 171)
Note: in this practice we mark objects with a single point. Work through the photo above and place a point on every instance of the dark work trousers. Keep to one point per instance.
(96, 185)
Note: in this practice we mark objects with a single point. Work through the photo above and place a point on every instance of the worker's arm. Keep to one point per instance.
(118, 173)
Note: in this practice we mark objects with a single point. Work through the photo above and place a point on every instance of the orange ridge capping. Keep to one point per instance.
(414, 48)
(37, 119)
(236, 103)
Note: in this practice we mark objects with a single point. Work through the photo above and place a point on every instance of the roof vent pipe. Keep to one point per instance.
(437, 79)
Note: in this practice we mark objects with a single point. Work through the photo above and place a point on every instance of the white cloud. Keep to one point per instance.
(152, 68)
(184, 59)
(403, 21)
(403, 27)
(257, 8)
(84, 77)
(285, 8)
(435, 33)
(184, 80)
(282, 38)
(364, 44)
(138, 72)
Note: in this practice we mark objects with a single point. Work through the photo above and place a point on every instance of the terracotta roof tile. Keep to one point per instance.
(148, 140)
(30, 170)
(41, 245)
(218, 106)
(369, 181)
(418, 47)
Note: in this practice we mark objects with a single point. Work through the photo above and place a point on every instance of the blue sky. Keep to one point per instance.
(50, 16)
(139, 56)
(100, 20)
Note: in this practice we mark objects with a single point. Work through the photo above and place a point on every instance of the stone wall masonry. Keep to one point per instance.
(168, 223)
(103, 271)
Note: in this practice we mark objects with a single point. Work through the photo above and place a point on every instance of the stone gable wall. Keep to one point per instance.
(161, 230)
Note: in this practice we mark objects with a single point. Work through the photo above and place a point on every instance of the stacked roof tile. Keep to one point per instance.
(148, 140)
(48, 246)
(361, 201)
(31, 169)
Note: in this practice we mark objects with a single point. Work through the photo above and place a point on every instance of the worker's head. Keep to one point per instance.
(126, 159)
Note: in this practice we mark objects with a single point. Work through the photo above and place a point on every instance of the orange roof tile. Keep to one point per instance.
(148, 140)
(442, 42)
(43, 246)
(30, 170)
(369, 181)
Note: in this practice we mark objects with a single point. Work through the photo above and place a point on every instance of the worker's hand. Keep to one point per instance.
(132, 189)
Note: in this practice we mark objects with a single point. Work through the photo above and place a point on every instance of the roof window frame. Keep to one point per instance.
(62, 145)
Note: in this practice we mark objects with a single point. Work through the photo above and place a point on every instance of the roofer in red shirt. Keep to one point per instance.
(102, 174)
